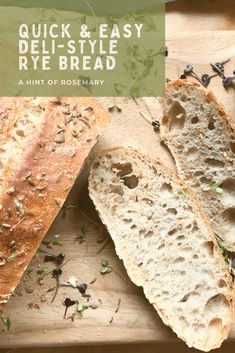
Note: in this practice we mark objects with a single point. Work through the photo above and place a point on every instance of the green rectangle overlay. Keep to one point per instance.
(82, 48)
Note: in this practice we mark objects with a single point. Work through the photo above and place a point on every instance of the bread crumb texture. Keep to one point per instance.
(166, 245)
(201, 138)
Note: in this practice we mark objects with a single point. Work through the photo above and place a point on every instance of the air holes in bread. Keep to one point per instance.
(229, 216)
(180, 237)
(116, 189)
(228, 195)
(187, 296)
(172, 211)
(209, 246)
(194, 120)
(123, 171)
(199, 173)
(192, 153)
(221, 283)
(216, 324)
(127, 220)
(20, 133)
(183, 98)
(211, 124)
(215, 303)
(172, 231)
(166, 189)
(177, 116)
(232, 146)
(179, 260)
(148, 201)
(161, 246)
(195, 227)
(149, 234)
(214, 163)
(122, 168)
(131, 182)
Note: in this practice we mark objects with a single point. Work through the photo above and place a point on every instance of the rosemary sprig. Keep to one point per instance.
(81, 308)
(6, 321)
(213, 187)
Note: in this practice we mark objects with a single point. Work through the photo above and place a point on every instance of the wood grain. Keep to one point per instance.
(200, 15)
(136, 320)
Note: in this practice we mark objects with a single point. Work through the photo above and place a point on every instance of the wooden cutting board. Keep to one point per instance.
(35, 321)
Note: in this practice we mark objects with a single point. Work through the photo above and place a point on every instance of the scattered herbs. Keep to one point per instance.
(68, 302)
(156, 125)
(189, 71)
(105, 267)
(182, 193)
(42, 272)
(219, 68)
(168, 80)
(226, 82)
(81, 238)
(82, 288)
(225, 252)
(205, 78)
(6, 321)
(214, 187)
(118, 305)
(114, 108)
(49, 258)
(60, 259)
(93, 281)
(12, 257)
(56, 273)
(57, 243)
(111, 320)
(81, 308)
(72, 281)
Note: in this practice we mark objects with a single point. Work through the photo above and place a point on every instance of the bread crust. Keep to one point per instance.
(208, 94)
(36, 179)
(134, 275)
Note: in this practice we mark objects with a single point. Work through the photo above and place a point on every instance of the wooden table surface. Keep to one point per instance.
(193, 16)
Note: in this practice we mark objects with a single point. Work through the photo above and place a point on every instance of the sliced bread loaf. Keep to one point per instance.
(43, 144)
(201, 138)
(166, 245)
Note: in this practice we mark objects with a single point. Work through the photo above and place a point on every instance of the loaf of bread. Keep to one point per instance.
(201, 138)
(43, 144)
(166, 244)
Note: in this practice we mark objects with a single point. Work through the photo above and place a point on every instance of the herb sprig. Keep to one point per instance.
(213, 187)
(6, 321)
(80, 308)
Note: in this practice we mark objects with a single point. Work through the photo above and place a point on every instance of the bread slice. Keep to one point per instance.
(43, 144)
(166, 245)
(201, 138)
